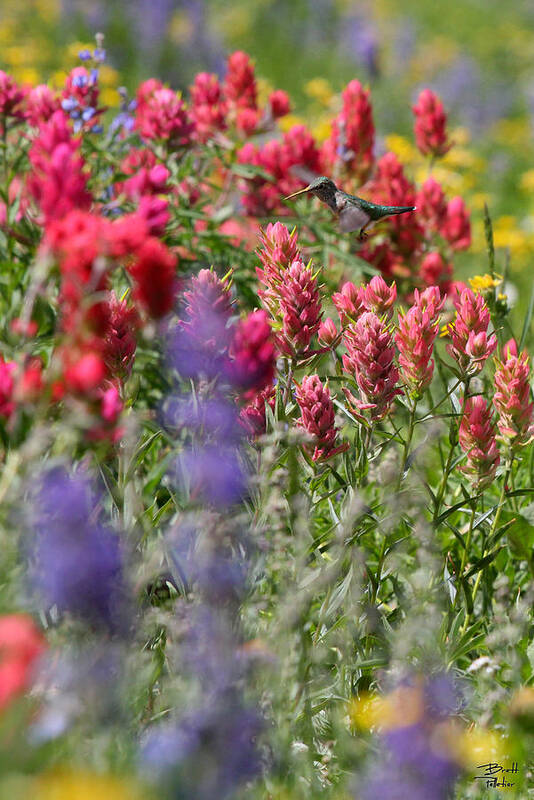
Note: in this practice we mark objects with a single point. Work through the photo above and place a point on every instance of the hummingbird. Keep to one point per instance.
(353, 212)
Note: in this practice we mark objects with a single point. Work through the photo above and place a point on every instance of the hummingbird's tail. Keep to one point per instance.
(388, 211)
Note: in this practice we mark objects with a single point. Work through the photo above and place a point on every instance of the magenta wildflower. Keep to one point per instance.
(471, 346)
(317, 417)
(379, 298)
(370, 360)
(253, 354)
(430, 125)
(327, 334)
(300, 308)
(477, 439)
(418, 328)
(349, 303)
(512, 398)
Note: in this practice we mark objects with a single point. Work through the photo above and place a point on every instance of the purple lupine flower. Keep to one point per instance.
(214, 474)
(209, 753)
(76, 562)
(215, 418)
(412, 763)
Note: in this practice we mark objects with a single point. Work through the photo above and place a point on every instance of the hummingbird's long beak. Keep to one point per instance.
(301, 191)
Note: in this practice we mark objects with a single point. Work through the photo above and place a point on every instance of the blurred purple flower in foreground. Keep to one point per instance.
(209, 753)
(76, 562)
(415, 760)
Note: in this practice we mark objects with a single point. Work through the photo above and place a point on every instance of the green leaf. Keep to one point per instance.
(520, 534)
(483, 562)
(468, 595)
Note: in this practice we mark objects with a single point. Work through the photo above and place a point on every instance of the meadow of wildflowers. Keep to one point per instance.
(266, 518)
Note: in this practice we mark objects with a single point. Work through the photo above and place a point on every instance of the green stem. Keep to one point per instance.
(443, 484)
(290, 370)
(465, 552)
(407, 443)
(493, 528)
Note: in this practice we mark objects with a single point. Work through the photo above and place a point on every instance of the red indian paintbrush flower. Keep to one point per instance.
(300, 308)
(379, 298)
(57, 182)
(7, 385)
(39, 104)
(154, 273)
(21, 645)
(435, 271)
(278, 251)
(278, 158)
(431, 204)
(349, 302)
(120, 340)
(11, 97)
(252, 416)
(418, 328)
(456, 227)
(208, 106)
(317, 417)
(471, 346)
(352, 140)
(512, 398)
(370, 360)
(430, 124)
(391, 187)
(253, 354)
(279, 103)
(327, 333)
(240, 82)
(477, 439)
(161, 114)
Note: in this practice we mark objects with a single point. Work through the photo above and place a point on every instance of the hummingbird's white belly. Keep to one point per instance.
(352, 218)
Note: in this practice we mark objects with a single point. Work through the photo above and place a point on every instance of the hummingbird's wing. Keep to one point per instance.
(351, 215)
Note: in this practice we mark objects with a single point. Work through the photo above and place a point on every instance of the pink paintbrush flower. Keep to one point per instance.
(512, 398)
(317, 417)
(418, 328)
(477, 439)
(456, 225)
(300, 308)
(471, 346)
(379, 298)
(349, 303)
(351, 143)
(370, 360)
(430, 124)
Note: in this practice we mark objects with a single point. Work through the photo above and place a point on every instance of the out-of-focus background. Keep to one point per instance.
(476, 54)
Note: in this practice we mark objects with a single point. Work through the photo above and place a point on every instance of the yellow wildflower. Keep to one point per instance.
(403, 706)
(477, 745)
(110, 97)
(107, 76)
(321, 131)
(287, 122)
(403, 149)
(74, 48)
(319, 89)
(83, 786)
(483, 283)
